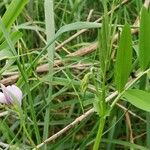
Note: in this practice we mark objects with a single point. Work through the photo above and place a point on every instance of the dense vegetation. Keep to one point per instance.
(83, 68)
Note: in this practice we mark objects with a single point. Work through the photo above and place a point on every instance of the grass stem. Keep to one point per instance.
(99, 133)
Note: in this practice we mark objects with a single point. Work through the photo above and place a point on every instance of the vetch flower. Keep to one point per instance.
(10, 94)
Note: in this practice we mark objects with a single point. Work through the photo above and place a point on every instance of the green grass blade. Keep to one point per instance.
(124, 58)
(77, 26)
(144, 36)
(144, 55)
(125, 144)
(14, 9)
(6, 53)
(104, 42)
(15, 36)
(50, 33)
(111, 132)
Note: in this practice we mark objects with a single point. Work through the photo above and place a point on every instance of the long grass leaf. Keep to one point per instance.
(50, 33)
(144, 36)
(15, 36)
(14, 9)
(125, 144)
(124, 58)
(144, 56)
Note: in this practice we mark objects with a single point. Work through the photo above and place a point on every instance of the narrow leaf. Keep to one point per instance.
(77, 26)
(15, 36)
(138, 98)
(104, 44)
(14, 9)
(144, 36)
(124, 58)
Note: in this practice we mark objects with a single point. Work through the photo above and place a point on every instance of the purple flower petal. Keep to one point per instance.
(6, 94)
(2, 98)
(11, 94)
(16, 92)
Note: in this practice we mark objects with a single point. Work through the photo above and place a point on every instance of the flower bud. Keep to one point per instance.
(10, 94)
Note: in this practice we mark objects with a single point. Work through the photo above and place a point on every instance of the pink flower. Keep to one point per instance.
(10, 94)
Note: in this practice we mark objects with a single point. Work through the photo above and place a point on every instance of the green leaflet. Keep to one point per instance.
(124, 58)
(138, 98)
(144, 37)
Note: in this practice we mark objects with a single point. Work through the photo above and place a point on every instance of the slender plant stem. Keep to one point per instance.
(99, 134)
(103, 65)
(28, 135)
(22, 122)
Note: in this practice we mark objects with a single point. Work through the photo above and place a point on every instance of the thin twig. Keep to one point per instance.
(89, 15)
(130, 112)
(139, 136)
(128, 120)
(4, 113)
